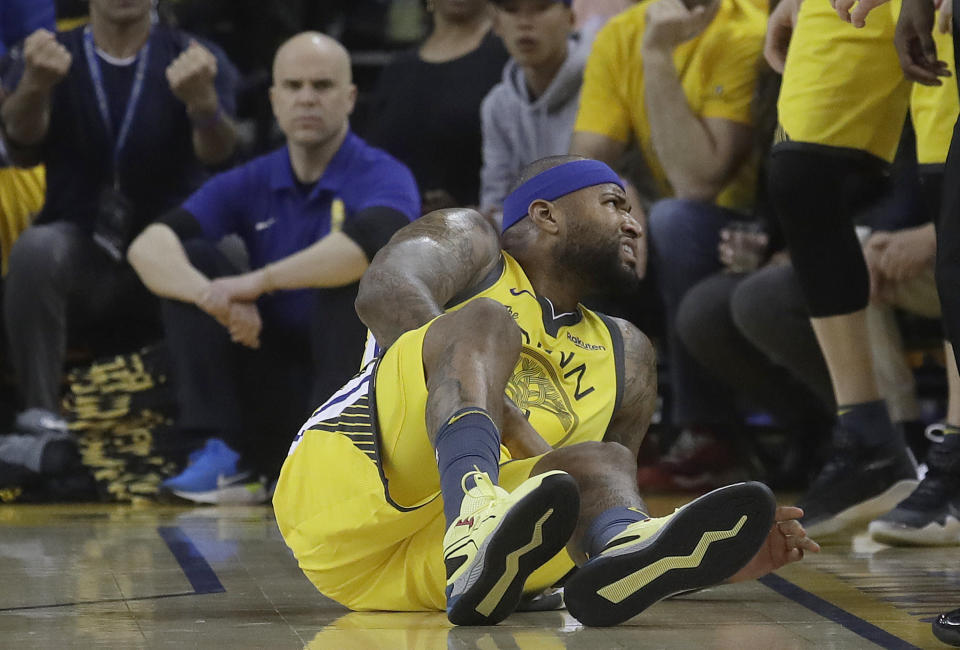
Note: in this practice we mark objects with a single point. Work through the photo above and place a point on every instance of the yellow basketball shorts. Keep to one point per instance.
(358, 499)
(843, 87)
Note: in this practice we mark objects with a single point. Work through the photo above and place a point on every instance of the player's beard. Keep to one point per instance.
(597, 263)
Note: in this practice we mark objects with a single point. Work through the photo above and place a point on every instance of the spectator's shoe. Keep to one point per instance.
(947, 627)
(41, 443)
(39, 421)
(699, 545)
(657, 478)
(930, 516)
(212, 477)
(857, 484)
(46, 454)
(502, 537)
(698, 451)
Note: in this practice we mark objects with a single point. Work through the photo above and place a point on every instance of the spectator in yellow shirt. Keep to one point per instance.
(675, 80)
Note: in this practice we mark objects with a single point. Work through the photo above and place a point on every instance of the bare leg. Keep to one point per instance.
(468, 356)
(606, 474)
(846, 349)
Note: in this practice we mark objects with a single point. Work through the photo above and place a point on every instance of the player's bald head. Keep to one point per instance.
(313, 47)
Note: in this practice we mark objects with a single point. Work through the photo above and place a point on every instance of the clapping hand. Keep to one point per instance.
(46, 61)
(670, 23)
(191, 77)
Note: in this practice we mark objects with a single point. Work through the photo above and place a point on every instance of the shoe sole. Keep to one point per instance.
(705, 542)
(861, 513)
(933, 534)
(536, 528)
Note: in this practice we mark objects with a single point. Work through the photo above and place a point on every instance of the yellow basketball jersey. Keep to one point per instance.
(569, 378)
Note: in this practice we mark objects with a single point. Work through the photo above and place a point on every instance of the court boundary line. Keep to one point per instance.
(195, 568)
(828, 610)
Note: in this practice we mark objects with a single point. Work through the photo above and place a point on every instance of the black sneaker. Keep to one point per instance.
(857, 484)
(930, 516)
(699, 545)
(947, 627)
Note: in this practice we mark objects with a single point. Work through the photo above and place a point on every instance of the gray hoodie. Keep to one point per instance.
(517, 131)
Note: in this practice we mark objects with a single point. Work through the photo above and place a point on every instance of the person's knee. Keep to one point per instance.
(489, 323)
(40, 252)
(817, 194)
(704, 313)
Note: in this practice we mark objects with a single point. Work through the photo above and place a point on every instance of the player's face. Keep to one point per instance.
(535, 32)
(602, 240)
(312, 94)
(121, 11)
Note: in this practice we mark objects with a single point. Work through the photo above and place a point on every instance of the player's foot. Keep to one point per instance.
(212, 477)
(947, 627)
(701, 544)
(502, 537)
(930, 516)
(856, 485)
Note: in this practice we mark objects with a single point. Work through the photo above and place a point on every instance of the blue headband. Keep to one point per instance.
(554, 183)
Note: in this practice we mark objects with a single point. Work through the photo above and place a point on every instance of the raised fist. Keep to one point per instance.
(191, 78)
(46, 60)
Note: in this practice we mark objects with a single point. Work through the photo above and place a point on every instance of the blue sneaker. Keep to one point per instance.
(212, 477)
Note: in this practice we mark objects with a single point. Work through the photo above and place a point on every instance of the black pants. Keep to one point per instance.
(61, 283)
(752, 332)
(256, 400)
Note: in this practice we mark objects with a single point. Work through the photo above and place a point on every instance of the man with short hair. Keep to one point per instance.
(124, 113)
(312, 215)
(502, 424)
(530, 114)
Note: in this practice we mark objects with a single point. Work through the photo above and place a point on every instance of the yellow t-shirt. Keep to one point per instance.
(718, 70)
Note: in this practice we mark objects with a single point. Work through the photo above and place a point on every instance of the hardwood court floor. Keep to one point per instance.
(162, 576)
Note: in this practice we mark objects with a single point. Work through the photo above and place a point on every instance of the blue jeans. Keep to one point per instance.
(683, 238)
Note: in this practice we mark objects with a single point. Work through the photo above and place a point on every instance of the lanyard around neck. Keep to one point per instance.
(119, 138)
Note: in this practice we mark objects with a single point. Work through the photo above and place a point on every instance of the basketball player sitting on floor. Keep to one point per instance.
(533, 407)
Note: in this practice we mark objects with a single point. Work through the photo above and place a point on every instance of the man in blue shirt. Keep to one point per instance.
(248, 348)
(124, 113)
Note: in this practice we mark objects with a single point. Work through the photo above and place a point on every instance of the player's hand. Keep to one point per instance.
(909, 253)
(915, 47)
(214, 301)
(191, 77)
(670, 23)
(245, 324)
(246, 287)
(46, 61)
(780, 27)
(786, 543)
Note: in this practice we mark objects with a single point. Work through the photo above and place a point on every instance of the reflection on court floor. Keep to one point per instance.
(160, 576)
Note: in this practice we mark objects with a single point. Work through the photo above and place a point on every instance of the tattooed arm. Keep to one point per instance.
(629, 424)
(425, 265)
